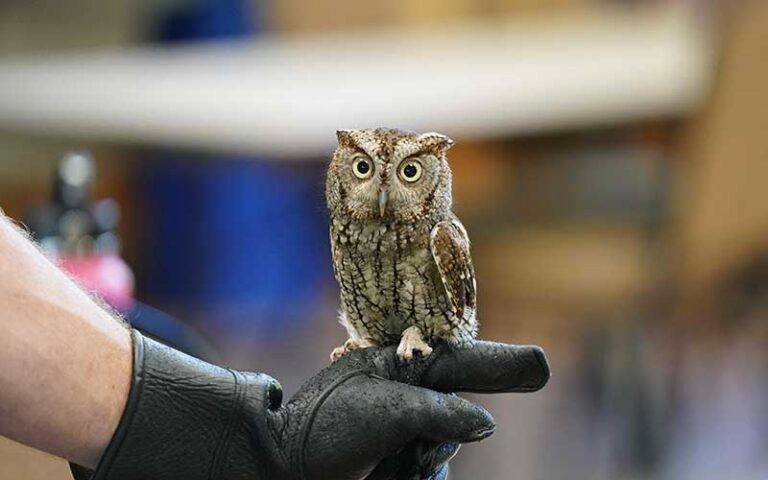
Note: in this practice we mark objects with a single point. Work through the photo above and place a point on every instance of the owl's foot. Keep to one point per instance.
(411, 342)
(349, 345)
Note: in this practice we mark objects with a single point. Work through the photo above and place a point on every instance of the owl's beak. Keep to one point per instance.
(383, 196)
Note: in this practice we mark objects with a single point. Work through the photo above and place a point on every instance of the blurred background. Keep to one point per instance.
(611, 167)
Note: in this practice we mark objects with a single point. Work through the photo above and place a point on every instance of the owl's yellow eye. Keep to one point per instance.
(410, 171)
(362, 168)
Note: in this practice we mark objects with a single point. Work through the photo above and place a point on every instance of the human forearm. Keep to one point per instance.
(65, 362)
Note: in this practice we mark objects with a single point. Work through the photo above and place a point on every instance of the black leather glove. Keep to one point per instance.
(367, 415)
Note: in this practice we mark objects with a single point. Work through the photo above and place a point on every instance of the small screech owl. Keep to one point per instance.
(400, 255)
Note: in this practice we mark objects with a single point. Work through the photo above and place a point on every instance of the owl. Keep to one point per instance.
(400, 255)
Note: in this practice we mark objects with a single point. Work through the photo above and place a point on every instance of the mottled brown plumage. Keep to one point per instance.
(400, 255)
(449, 244)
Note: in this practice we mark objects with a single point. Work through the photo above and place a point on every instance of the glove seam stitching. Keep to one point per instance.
(218, 458)
(304, 434)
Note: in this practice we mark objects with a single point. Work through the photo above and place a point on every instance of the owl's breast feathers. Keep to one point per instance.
(395, 276)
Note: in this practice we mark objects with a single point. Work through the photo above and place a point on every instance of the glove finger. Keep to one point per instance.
(438, 417)
(487, 367)
(432, 455)
(366, 419)
(441, 474)
(420, 460)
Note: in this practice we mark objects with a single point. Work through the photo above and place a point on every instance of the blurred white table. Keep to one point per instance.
(286, 96)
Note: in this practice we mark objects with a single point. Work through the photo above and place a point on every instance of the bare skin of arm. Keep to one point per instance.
(65, 362)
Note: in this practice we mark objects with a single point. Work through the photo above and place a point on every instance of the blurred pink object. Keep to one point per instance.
(105, 274)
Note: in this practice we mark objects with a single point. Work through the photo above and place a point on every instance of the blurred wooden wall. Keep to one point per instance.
(723, 194)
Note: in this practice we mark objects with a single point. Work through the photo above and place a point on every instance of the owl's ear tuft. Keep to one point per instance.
(436, 142)
(344, 136)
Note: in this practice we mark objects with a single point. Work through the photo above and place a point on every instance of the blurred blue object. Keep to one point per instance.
(245, 240)
(242, 241)
(166, 329)
(210, 19)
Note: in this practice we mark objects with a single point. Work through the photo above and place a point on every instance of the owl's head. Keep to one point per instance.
(389, 174)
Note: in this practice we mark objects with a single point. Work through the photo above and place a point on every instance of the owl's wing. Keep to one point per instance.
(449, 244)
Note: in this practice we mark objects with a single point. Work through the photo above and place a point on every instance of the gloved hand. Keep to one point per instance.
(367, 415)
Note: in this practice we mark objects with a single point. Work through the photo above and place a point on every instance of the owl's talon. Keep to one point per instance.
(337, 353)
(350, 345)
(412, 342)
